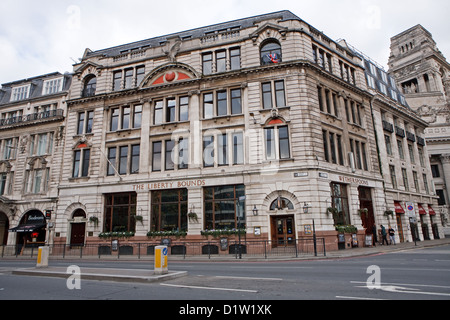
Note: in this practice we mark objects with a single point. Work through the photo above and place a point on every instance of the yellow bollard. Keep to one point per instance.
(42, 258)
(161, 260)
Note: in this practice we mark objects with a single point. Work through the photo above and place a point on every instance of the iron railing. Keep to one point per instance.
(212, 249)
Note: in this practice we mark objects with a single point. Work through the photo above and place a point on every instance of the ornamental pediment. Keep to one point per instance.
(269, 30)
(169, 74)
(86, 68)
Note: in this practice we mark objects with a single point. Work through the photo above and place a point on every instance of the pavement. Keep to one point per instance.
(102, 274)
(382, 249)
(140, 275)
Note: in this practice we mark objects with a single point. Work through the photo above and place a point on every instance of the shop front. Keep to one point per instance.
(31, 231)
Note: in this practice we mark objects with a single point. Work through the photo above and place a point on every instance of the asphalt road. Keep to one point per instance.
(417, 274)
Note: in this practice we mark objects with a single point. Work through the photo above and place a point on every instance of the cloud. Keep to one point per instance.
(44, 36)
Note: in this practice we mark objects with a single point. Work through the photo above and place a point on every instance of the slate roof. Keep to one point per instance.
(37, 84)
(244, 23)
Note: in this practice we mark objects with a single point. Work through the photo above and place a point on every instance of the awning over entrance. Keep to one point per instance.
(398, 207)
(422, 210)
(431, 211)
(27, 227)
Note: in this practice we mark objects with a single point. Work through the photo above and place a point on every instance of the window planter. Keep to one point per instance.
(222, 233)
(165, 234)
(125, 234)
(346, 229)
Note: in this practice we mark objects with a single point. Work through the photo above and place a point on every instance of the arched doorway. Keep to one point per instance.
(78, 228)
(4, 226)
(282, 226)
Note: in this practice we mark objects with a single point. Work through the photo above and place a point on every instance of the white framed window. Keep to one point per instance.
(20, 93)
(371, 82)
(52, 86)
(373, 69)
(277, 142)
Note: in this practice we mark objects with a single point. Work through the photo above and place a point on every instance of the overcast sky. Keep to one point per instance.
(39, 37)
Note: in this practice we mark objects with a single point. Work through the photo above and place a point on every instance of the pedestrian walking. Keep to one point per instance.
(383, 235)
(391, 235)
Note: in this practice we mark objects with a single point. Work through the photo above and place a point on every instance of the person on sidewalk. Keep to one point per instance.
(375, 238)
(383, 235)
(391, 235)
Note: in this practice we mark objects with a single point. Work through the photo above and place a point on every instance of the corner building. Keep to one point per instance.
(262, 123)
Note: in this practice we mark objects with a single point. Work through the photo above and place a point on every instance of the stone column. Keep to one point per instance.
(145, 132)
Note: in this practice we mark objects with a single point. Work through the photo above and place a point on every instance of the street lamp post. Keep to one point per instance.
(305, 210)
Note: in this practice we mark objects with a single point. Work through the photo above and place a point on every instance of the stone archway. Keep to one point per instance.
(78, 228)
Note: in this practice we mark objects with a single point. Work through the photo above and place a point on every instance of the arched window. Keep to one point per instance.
(281, 203)
(90, 84)
(270, 52)
(79, 213)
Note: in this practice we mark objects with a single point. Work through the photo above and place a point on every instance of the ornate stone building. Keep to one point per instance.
(423, 74)
(263, 124)
(32, 120)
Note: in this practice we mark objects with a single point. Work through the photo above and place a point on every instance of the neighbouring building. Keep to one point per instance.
(32, 115)
(262, 124)
(410, 201)
(423, 74)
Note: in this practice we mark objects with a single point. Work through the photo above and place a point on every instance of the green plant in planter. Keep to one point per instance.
(346, 229)
(222, 232)
(115, 234)
(164, 234)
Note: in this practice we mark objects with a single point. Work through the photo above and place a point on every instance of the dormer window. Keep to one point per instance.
(52, 86)
(20, 93)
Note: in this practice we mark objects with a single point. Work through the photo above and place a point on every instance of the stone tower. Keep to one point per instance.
(423, 74)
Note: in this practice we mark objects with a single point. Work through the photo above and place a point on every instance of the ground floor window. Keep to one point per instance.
(169, 210)
(222, 207)
(119, 211)
(339, 200)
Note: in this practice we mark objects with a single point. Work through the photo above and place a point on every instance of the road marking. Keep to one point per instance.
(262, 267)
(206, 288)
(249, 278)
(398, 288)
(407, 284)
(357, 298)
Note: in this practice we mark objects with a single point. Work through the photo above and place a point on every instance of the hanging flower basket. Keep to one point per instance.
(363, 211)
(389, 213)
(139, 218)
(332, 210)
(94, 219)
(193, 216)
